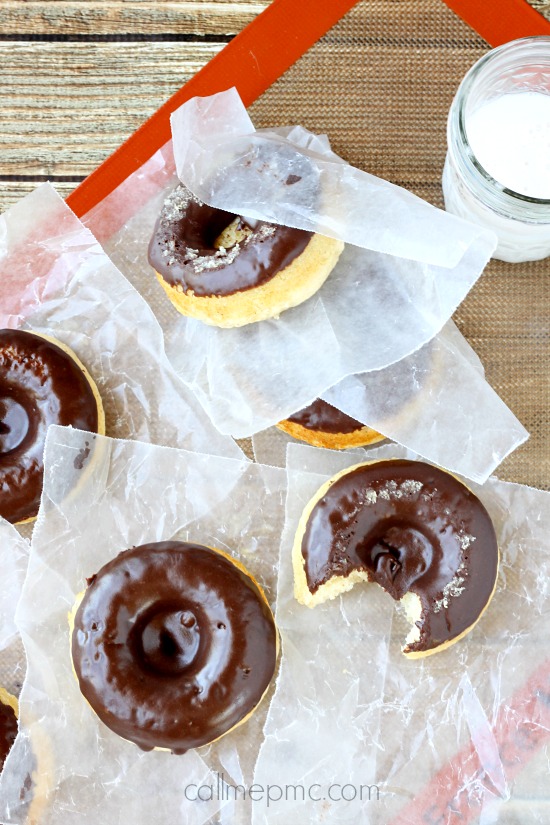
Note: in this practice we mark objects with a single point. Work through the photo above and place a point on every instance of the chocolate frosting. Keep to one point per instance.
(8, 731)
(39, 385)
(323, 417)
(173, 645)
(411, 528)
(182, 248)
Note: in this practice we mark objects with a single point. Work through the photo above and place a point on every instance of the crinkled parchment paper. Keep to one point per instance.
(56, 279)
(225, 162)
(435, 402)
(374, 309)
(14, 554)
(405, 268)
(127, 493)
(359, 733)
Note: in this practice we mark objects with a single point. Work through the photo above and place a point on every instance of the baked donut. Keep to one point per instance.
(34, 765)
(322, 425)
(415, 530)
(42, 382)
(227, 271)
(9, 712)
(173, 645)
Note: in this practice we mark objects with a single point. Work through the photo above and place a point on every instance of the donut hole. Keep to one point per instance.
(397, 554)
(14, 424)
(205, 229)
(235, 233)
(167, 639)
(168, 644)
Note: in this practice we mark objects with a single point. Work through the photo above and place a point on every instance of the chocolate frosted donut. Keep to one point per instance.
(8, 724)
(322, 425)
(41, 383)
(412, 528)
(228, 272)
(188, 229)
(173, 645)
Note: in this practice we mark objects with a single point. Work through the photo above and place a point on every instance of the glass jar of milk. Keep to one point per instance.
(497, 171)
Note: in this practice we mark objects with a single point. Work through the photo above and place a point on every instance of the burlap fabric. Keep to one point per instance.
(380, 84)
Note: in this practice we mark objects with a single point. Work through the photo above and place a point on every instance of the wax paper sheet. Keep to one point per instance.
(358, 733)
(56, 279)
(14, 554)
(405, 268)
(127, 493)
(436, 402)
(249, 379)
(225, 162)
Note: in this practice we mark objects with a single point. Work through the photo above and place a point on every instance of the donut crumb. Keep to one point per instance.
(465, 540)
(233, 234)
(227, 245)
(412, 607)
(391, 490)
(452, 589)
(175, 205)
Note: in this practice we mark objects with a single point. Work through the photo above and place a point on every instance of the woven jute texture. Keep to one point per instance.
(380, 84)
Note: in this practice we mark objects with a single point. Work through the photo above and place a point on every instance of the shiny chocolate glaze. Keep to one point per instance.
(173, 645)
(412, 528)
(323, 417)
(182, 248)
(8, 731)
(39, 385)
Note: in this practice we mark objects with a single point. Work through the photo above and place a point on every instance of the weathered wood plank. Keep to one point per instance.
(67, 128)
(11, 192)
(66, 106)
(145, 17)
(115, 17)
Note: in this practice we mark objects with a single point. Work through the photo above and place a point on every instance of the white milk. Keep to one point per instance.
(497, 170)
(510, 137)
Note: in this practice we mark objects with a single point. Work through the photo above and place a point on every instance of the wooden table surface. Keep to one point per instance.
(79, 76)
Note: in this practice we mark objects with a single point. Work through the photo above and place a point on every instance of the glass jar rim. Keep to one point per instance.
(501, 198)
